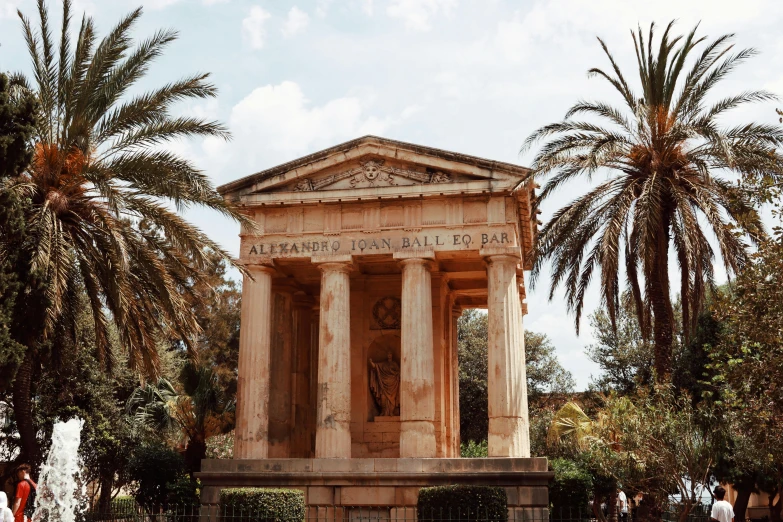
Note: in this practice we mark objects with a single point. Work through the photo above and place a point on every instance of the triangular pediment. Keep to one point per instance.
(375, 167)
(372, 172)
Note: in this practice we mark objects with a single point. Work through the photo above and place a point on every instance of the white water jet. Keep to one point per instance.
(60, 492)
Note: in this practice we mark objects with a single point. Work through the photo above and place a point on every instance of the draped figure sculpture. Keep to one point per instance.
(385, 385)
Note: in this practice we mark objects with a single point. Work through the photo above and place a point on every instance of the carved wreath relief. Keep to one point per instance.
(372, 173)
(387, 312)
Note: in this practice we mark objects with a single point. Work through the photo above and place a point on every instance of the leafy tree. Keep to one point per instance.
(17, 124)
(621, 351)
(747, 362)
(544, 373)
(216, 302)
(664, 154)
(655, 441)
(99, 173)
(571, 489)
(154, 471)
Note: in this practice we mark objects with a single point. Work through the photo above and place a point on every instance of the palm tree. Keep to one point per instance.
(666, 159)
(200, 412)
(103, 193)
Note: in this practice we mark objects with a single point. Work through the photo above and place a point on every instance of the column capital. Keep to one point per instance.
(489, 253)
(258, 265)
(323, 261)
(427, 254)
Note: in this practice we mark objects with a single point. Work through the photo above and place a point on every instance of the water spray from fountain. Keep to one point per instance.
(60, 492)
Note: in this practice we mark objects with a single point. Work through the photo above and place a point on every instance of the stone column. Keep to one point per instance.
(333, 424)
(300, 439)
(507, 382)
(251, 436)
(417, 371)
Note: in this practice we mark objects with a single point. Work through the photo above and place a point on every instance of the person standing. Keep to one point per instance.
(23, 509)
(622, 505)
(721, 509)
(5, 511)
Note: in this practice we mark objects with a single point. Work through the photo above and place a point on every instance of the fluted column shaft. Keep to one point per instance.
(251, 436)
(333, 425)
(507, 382)
(417, 372)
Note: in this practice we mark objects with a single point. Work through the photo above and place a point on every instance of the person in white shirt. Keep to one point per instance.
(5, 512)
(622, 505)
(721, 510)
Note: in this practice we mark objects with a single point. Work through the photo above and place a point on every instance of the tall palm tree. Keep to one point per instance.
(103, 193)
(665, 157)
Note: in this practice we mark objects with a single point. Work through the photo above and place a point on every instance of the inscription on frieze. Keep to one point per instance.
(286, 247)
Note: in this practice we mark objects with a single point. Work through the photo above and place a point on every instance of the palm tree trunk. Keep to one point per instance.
(23, 409)
(663, 314)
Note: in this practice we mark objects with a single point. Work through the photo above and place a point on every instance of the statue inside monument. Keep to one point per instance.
(385, 385)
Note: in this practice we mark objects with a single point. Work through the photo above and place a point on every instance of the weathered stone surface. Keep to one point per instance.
(417, 392)
(251, 436)
(426, 233)
(383, 482)
(333, 425)
(507, 383)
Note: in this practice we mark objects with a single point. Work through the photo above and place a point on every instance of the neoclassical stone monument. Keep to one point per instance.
(362, 259)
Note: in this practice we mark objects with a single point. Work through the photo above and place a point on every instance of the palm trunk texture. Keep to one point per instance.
(23, 409)
(663, 315)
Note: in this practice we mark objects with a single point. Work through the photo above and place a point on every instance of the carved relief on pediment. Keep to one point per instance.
(370, 173)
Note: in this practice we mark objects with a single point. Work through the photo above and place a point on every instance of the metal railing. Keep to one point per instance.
(132, 512)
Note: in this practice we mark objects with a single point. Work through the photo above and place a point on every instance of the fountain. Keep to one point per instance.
(60, 492)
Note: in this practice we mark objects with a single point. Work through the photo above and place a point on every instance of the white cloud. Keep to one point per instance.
(7, 9)
(159, 4)
(296, 22)
(417, 13)
(277, 123)
(367, 7)
(282, 123)
(253, 31)
(212, 2)
(322, 7)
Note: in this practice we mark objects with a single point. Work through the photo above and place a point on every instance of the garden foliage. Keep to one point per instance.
(462, 502)
(261, 504)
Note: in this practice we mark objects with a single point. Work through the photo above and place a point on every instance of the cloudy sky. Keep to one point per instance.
(475, 77)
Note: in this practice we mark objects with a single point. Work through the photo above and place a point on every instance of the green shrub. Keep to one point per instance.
(473, 449)
(463, 503)
(153, 468)
(571, 489)
(260, 504)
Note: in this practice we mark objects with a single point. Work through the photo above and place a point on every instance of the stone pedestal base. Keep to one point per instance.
(383, 483)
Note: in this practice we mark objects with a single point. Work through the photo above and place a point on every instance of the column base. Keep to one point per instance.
(417, 439)
(381, 483)
(333, 442)
(508, 437)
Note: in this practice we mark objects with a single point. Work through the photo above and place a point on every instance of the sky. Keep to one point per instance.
(476, 77)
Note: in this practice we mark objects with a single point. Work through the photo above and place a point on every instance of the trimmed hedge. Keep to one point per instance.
(262, 504)
(463, 503)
